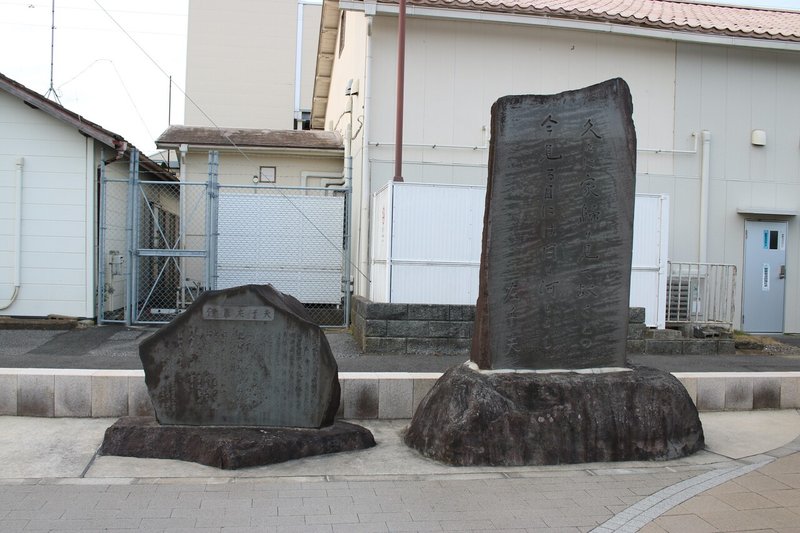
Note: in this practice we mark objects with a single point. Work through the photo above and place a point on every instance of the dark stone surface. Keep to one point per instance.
(635, 347)
(462, 312)
(636, 331)
(636, 315)
(525, 418)
(229, 447)
(663, 347)
(558, 229)
(766, 393)
(245, 356)
(437, 347)
(375, 328)
(698, 346)
(387, 311)
(427, 312)
(726, 347)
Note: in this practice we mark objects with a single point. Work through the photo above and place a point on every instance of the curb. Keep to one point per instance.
(365, 395)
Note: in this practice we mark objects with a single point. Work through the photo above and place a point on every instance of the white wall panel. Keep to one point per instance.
(649, 262)
(435, 284)
(437, 223)
(57, 213)
(433, 255)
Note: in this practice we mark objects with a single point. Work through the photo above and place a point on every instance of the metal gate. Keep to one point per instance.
(163, 243)
(154, 246)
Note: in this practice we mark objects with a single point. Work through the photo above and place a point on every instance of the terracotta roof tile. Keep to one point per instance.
(664, 14)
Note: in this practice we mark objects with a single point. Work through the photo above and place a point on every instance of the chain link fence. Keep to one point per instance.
(164, 243)
(113, 280)
(293, 238)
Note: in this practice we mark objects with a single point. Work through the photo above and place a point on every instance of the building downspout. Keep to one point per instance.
(401, 82)
(298, 64)
(705, 179)
(364, 288)
(17, 233)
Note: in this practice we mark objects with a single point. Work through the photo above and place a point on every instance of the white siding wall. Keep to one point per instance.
(57, 274)
(236, 169)
(729, 91)
(240, 66)
(455, 70)
(427, 240)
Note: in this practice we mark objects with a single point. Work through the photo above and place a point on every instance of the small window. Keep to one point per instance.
(266, 174)
(770, 239)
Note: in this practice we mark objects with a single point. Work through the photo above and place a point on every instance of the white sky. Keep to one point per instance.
(100, 73)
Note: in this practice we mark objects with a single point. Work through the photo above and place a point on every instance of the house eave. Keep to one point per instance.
(574, 24)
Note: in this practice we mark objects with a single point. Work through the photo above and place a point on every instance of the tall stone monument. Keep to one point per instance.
(558, 231)
(547, 382)
(241, 378)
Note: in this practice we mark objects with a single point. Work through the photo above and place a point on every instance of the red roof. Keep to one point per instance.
(659, 14)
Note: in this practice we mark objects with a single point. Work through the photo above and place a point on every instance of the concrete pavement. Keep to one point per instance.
(52, 480)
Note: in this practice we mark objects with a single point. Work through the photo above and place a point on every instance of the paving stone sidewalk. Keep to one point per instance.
(569, 499)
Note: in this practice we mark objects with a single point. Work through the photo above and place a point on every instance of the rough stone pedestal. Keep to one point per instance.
(229, 447)
(473, 417)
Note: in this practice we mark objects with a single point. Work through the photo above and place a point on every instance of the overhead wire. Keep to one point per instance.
(229, 140)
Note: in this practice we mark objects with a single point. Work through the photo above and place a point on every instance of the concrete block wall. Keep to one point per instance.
(447, 330)
(365, 395)
(412, 328)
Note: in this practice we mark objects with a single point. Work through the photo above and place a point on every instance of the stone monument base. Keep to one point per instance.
(473, 417)
(229, 447)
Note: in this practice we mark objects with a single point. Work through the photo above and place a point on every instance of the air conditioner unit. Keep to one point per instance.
(684, 302)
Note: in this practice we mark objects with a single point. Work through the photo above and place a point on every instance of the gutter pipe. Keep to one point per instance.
(401, 69)
(17, 232)
(366, 173)
(705, 179)
(298, 62)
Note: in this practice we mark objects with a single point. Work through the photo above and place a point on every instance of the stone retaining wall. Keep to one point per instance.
(447, 330)
(412, 328)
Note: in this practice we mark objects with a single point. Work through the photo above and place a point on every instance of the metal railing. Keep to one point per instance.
(701, 294)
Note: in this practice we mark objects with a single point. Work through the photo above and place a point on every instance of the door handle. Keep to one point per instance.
(782, 275)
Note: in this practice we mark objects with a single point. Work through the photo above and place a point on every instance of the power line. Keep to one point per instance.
(215, 125)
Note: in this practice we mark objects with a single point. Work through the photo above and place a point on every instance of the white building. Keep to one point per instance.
(714, 92)
(250, 63)
(50, 164)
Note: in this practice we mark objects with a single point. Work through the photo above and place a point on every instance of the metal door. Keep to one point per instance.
(764, 276)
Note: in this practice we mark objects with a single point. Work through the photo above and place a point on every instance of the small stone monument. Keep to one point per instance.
(547, 381)
(241, 378)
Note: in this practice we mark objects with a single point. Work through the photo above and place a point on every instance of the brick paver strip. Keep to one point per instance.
(645, 511)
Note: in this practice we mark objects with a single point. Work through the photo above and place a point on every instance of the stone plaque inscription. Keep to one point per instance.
(238, 312)
(558, 228)
(245, 356)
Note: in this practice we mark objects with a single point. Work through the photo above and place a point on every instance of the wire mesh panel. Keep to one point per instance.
(171, 249)
(292, 238)
(113, 260)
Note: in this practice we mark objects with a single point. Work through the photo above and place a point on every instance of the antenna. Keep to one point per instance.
(52, 90)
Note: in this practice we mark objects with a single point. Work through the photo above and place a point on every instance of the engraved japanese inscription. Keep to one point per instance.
(245, 356)
(558, 228)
